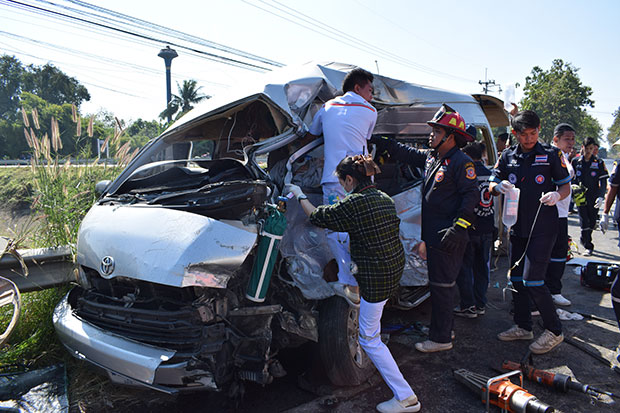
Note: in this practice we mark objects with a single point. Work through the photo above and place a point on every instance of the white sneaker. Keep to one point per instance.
(410, 404)
(515, 333)
(429, 346)
(588, 253)
(546, 342)
(558, 299)
(345, 292)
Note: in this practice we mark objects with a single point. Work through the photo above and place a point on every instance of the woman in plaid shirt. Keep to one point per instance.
(369, 216)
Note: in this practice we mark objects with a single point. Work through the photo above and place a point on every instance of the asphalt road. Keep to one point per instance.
(476, 348)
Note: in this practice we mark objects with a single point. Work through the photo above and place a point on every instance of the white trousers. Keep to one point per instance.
(338, 242)
(370, 340)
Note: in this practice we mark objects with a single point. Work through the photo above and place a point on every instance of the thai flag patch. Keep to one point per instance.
(540, 158)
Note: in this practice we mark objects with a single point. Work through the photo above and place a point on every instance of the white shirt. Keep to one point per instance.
(565, 203)
(346, 123)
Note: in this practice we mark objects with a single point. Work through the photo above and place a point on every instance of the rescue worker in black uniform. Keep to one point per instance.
(613, 194)
(537, 170)
(590, 172)
(450, 193)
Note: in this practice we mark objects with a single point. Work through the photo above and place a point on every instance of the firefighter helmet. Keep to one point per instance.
(449, 118)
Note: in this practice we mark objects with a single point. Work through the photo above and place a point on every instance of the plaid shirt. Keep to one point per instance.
(369, 216)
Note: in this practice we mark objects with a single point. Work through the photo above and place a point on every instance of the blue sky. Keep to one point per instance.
(447, 44)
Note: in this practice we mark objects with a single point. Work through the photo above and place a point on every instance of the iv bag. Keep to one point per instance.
(511, 207)
(509, 97)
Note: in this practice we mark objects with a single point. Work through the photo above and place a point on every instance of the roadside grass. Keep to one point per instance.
(58, 195)
(16, 188)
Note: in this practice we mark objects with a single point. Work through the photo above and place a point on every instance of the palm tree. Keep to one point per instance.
(188, 95)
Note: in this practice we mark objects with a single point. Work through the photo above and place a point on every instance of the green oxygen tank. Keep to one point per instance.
(267, 251)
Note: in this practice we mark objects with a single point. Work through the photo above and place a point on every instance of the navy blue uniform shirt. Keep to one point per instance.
(450, 188)
(593, 175)
(614, 180)
(536, 172)
(485, 210)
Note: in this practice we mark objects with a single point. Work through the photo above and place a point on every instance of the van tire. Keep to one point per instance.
(345, 363)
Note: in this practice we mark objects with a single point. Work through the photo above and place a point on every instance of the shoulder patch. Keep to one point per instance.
(470, 171)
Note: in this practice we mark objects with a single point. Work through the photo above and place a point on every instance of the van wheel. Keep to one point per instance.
(346, 364)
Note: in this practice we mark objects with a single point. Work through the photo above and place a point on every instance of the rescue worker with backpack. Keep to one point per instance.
(449, 195)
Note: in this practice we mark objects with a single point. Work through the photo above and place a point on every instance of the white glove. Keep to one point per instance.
(599, 202)
(504, 187)
(604, 224)
(296, 190)
(550, 198)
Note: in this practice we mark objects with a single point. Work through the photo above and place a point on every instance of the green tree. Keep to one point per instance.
(11, 71)
(188, 95)
(613, 133)
(557, 95)
(47, 82)
(141, 131)
(54, 86)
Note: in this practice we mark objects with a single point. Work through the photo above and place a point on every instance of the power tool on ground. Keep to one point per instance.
(501, 392)
(558, 381)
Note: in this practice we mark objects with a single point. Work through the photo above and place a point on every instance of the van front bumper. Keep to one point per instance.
(126, 361)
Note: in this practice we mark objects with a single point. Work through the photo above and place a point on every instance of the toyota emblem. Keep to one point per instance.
(107, 265)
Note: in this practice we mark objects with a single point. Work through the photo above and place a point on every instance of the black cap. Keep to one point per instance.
(561, 128)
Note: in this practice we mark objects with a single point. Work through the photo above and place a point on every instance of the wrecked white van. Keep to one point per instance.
(165, 255)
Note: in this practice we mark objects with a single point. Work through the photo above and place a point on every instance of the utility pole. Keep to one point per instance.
(488, 83)
(168, 54)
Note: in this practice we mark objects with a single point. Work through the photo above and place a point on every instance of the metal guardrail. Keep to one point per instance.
(74, 161)
(47, 267)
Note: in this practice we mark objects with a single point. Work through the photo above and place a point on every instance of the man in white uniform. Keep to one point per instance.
(563, 139)
(346, 123)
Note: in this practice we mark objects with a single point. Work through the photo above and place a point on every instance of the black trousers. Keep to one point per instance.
(528, 278)
(557, 263)
(615, 298)
(588, 215)
(443, 268)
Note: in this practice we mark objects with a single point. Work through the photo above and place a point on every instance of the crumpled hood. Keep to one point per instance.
(161, 245)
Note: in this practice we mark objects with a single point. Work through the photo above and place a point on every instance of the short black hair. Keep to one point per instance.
(358, 77)
(473, 150)
(525, 119)
(589, 141)
(503, 137)
(349, 166)
(561, 128)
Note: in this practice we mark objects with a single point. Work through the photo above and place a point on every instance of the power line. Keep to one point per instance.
(342, 37)
(89, 56)
(219, 58)
(176, 33)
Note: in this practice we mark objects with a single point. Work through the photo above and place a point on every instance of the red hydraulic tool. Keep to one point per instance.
(501, 392)
(554, 380)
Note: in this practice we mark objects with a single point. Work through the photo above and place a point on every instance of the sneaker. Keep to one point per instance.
(588, 253)
(515, 333)
(410, 404)
(546, 342)
(535, 313)
(558, 299)
(480, 310)
(469, 312)
(345, 292)
(429, 346)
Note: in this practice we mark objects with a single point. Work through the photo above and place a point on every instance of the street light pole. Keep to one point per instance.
(168, 54)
